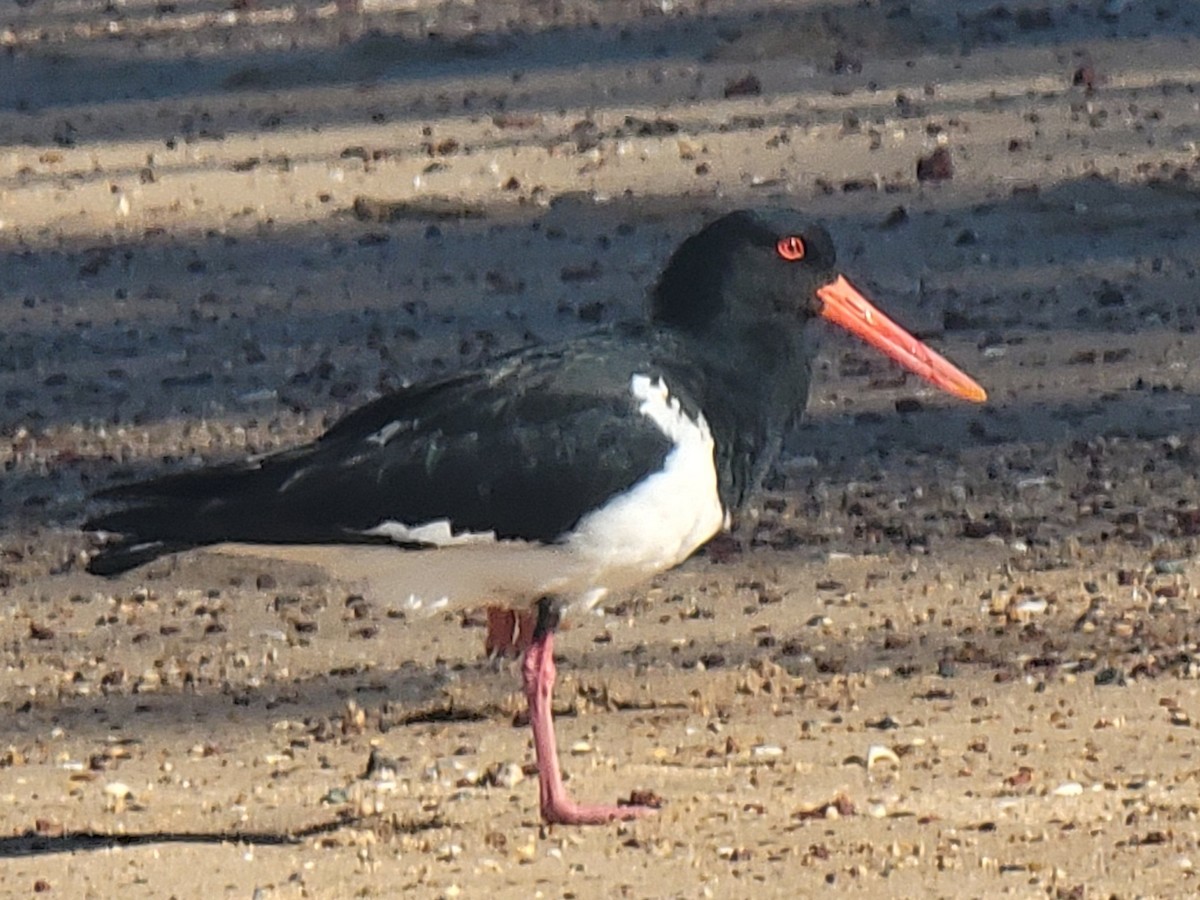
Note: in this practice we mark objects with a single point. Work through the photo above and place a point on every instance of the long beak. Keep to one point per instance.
(845, 306)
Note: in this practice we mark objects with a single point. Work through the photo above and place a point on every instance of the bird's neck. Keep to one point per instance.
(753, 387)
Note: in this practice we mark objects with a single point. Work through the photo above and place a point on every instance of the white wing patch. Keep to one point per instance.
(436, 533)
(665, 517)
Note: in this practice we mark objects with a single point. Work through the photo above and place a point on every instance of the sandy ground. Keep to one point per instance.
(956, 653)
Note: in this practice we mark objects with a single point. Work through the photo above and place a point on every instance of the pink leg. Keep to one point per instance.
(538, 674)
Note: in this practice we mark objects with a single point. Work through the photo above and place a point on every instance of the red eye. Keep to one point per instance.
(790, 248)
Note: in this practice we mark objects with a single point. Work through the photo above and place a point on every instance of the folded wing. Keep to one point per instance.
(521, 449)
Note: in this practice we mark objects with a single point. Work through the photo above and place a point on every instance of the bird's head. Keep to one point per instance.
(774, 268)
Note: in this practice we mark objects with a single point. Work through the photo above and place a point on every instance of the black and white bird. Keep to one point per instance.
(552, 475)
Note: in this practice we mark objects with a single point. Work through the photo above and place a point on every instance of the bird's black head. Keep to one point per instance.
(769, 272)
(747, 266)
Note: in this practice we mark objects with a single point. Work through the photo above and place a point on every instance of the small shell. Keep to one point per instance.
(877, 752)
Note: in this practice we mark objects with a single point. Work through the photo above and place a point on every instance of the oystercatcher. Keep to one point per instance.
(554, 474)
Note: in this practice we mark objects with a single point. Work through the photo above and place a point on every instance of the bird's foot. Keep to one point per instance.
(562, 810)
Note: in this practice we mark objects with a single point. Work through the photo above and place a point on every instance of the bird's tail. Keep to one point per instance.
(160, 516)
(124, 554)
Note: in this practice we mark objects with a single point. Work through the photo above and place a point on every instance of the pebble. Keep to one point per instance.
(506, 775)
(1032, 607)
(116, 795)
(335, 796)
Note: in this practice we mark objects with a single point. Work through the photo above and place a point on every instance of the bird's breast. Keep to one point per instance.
(667, 515)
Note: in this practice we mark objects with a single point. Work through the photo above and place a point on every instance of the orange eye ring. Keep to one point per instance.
(790, 247)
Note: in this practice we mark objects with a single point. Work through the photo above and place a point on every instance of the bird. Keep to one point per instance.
(545, 478)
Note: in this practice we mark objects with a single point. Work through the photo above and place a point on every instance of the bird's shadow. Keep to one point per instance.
(33, 842)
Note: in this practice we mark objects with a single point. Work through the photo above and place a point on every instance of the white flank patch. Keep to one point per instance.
(661, 520)
(436, 533)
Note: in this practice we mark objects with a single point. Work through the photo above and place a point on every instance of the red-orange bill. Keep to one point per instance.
(846, 307)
